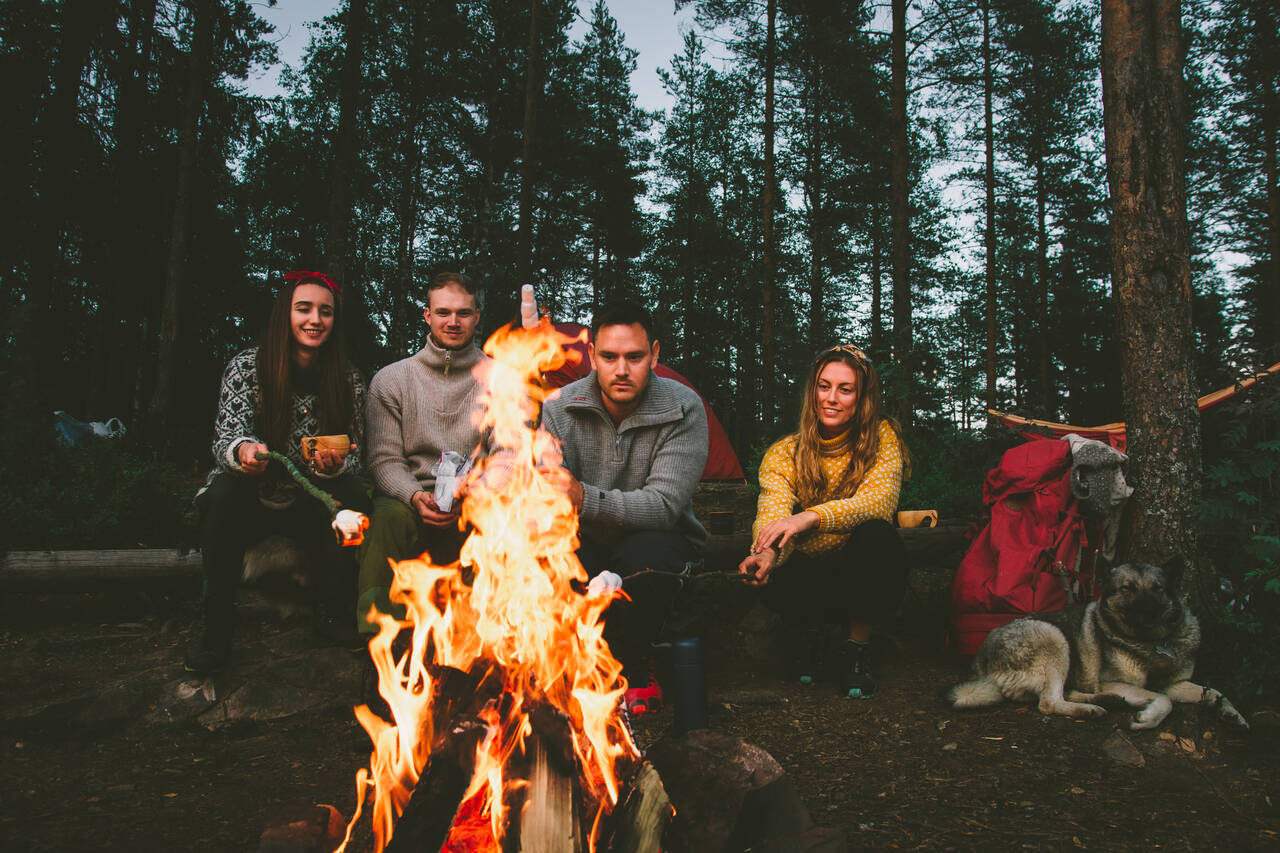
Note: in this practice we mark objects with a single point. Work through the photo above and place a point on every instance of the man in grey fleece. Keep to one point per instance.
(418, 408)
(634, 446)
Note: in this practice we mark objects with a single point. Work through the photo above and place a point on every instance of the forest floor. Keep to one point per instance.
(103, 749)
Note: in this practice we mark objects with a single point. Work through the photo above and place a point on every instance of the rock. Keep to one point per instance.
(728, 794)
(1119, 749)
(259, 699)
(185, 699)
(817, 840)
(303, 829)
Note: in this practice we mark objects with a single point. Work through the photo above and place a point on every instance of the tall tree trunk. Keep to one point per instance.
(817, 224)
(768, 262)
(532, 88)
(1042, 291)
(401, 315)
(877, 305)
(989, 230)
(38, 327)
(900, 212)
(1268, 308)
(1145, 136)
(338, 250)
(180, 233)
(118, 335)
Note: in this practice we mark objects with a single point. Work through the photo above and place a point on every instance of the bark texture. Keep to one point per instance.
(1151, 273)
(180, 235)
(900, 209)
(338, 251)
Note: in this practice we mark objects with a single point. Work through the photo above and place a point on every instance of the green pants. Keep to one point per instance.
(396, 533)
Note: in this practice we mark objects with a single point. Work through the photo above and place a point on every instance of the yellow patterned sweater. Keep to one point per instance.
(876, 497)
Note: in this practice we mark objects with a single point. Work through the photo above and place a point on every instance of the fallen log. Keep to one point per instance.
(93, 571)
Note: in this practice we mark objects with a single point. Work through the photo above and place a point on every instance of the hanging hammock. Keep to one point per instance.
(1113, 434)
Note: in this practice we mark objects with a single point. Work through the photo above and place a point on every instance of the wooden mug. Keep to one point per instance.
(918, 518)
(339, 444)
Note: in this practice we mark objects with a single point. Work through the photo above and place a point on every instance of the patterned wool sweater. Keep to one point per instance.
(240, 407)
(876, 496)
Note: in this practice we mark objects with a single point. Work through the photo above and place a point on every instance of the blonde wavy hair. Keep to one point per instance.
(862, 441)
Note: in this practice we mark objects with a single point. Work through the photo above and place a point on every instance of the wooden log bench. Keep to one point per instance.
(726, 509)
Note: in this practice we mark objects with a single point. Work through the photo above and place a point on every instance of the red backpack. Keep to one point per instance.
(1036, 552)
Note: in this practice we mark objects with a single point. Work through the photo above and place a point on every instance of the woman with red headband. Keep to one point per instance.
(824, 545)
(295, 383)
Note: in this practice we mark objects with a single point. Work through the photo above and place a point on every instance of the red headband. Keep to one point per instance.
(297, 275)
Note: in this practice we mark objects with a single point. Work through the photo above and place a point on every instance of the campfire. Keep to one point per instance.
(506, 730)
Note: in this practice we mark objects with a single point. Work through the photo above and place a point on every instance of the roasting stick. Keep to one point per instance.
(348, 525)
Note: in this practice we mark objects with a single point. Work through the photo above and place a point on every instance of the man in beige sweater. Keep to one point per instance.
(419, 408)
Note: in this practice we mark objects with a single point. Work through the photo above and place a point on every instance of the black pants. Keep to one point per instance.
(862, 582)
(632, 626)
(233, 519)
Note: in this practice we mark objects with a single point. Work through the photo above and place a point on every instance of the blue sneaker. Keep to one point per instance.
(855, 670)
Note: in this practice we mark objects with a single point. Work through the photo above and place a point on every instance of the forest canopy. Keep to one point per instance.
(154, 201)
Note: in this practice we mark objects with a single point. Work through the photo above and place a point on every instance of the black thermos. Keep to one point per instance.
(690, 685)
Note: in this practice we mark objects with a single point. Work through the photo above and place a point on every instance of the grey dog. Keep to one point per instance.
(1135, 647)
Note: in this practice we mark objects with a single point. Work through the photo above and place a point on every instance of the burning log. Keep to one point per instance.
(427, 819)
(644, 814)
(550, 821)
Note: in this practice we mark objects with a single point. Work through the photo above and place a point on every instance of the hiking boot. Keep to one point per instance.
(209, 654)
(807, 653)
(855, 670)
(644, 695)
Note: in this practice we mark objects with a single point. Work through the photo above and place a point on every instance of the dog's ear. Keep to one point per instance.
(1174, 568)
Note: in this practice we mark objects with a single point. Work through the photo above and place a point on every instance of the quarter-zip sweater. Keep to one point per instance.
(419, 407)
(639, 474)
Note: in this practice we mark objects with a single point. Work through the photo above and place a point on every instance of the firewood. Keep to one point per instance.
(429, 814)
(550, 821)
(642, 816)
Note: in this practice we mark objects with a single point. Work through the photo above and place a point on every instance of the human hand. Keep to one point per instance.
(327, 461)
(247, 455)
(424, 503)
(757, 569)
(528, 307)
(777, 534)
(565, 482)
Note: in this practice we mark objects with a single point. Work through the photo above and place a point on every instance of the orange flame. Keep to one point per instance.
(517, 612)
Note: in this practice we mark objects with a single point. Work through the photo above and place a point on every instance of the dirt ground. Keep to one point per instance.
(90, 764)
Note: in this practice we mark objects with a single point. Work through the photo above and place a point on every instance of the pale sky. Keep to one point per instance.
(650, 26)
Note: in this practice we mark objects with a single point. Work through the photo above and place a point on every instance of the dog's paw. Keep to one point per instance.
(1093, 711)
(1231, 715)
(1152, 714)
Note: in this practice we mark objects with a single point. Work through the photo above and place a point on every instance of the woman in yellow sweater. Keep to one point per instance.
(823, 537)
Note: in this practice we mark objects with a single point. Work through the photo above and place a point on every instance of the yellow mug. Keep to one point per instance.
(918, 518)
(339, 444)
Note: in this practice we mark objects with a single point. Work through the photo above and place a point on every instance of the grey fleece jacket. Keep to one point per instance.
(419, 407)
(639, 474)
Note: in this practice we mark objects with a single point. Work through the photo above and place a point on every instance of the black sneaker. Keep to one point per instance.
(855, 670)
(808, 653)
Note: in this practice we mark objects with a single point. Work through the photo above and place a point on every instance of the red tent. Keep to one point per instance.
(722, 462)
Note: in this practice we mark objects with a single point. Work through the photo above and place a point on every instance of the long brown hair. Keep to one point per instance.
(862, 441)
(275, 370)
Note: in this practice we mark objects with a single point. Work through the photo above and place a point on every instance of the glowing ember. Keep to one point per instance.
(512, 608)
